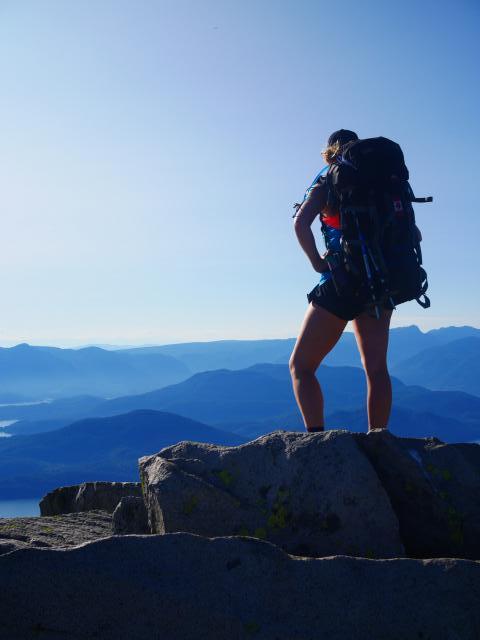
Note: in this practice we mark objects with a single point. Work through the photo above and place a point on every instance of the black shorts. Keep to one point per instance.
(346, 307)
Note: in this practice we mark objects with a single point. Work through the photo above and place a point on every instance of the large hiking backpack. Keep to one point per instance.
(380, 259)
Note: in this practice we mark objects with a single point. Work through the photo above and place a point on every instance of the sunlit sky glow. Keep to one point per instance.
(152, 150)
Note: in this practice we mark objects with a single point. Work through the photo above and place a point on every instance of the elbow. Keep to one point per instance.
(300, 226)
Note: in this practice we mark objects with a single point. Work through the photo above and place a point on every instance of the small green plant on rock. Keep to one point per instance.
(278, 519)
(251, 628)
(225, 476)
(280, 515)
(190, 505)
(455, 524)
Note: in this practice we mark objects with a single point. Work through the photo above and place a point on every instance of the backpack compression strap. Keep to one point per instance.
(425, 303)
(428, 199)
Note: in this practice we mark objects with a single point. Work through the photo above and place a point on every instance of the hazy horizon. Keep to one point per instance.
(120, 345)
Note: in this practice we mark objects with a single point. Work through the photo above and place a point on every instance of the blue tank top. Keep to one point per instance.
(332, 238)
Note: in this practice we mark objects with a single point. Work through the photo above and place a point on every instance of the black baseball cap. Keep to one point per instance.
(342, 136)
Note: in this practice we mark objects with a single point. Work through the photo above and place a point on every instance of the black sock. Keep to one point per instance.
(313, 429)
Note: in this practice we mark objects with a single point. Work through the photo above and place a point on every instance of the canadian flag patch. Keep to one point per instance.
(397, 205)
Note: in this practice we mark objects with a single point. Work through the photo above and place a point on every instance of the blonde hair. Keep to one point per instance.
(331, 153)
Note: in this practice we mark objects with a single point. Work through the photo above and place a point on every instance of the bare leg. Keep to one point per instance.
(319, 333)
(372, 340)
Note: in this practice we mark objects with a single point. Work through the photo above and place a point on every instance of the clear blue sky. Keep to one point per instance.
(151, 152)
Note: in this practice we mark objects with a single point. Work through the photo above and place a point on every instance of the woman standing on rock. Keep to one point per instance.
(328, 314)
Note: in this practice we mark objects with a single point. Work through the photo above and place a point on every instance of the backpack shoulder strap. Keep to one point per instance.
(331, 180)
(320, 177)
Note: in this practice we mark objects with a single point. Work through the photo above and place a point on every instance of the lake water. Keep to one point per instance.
(3, 425)
(18, 508)
(26, 404)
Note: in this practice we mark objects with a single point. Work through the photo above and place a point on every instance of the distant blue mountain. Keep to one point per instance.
(260, 398)
(108, 448)
(451, 366)
(8, 397)
(443, 335)
(95, 449)
(263, 390)
(66, 408)
(240, 354)
(51, 372)
(410, 423)
(222, 354)
(223, 406)
(37, 372)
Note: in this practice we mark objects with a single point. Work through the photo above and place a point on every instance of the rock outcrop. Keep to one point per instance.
(370, 495)
(87, 496)
(185, 587)
(434, 489)
(130, 516)
(257, 541)
(54, 531)
(312, 494)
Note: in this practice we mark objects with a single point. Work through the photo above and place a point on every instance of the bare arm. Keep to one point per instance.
(306, 214)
